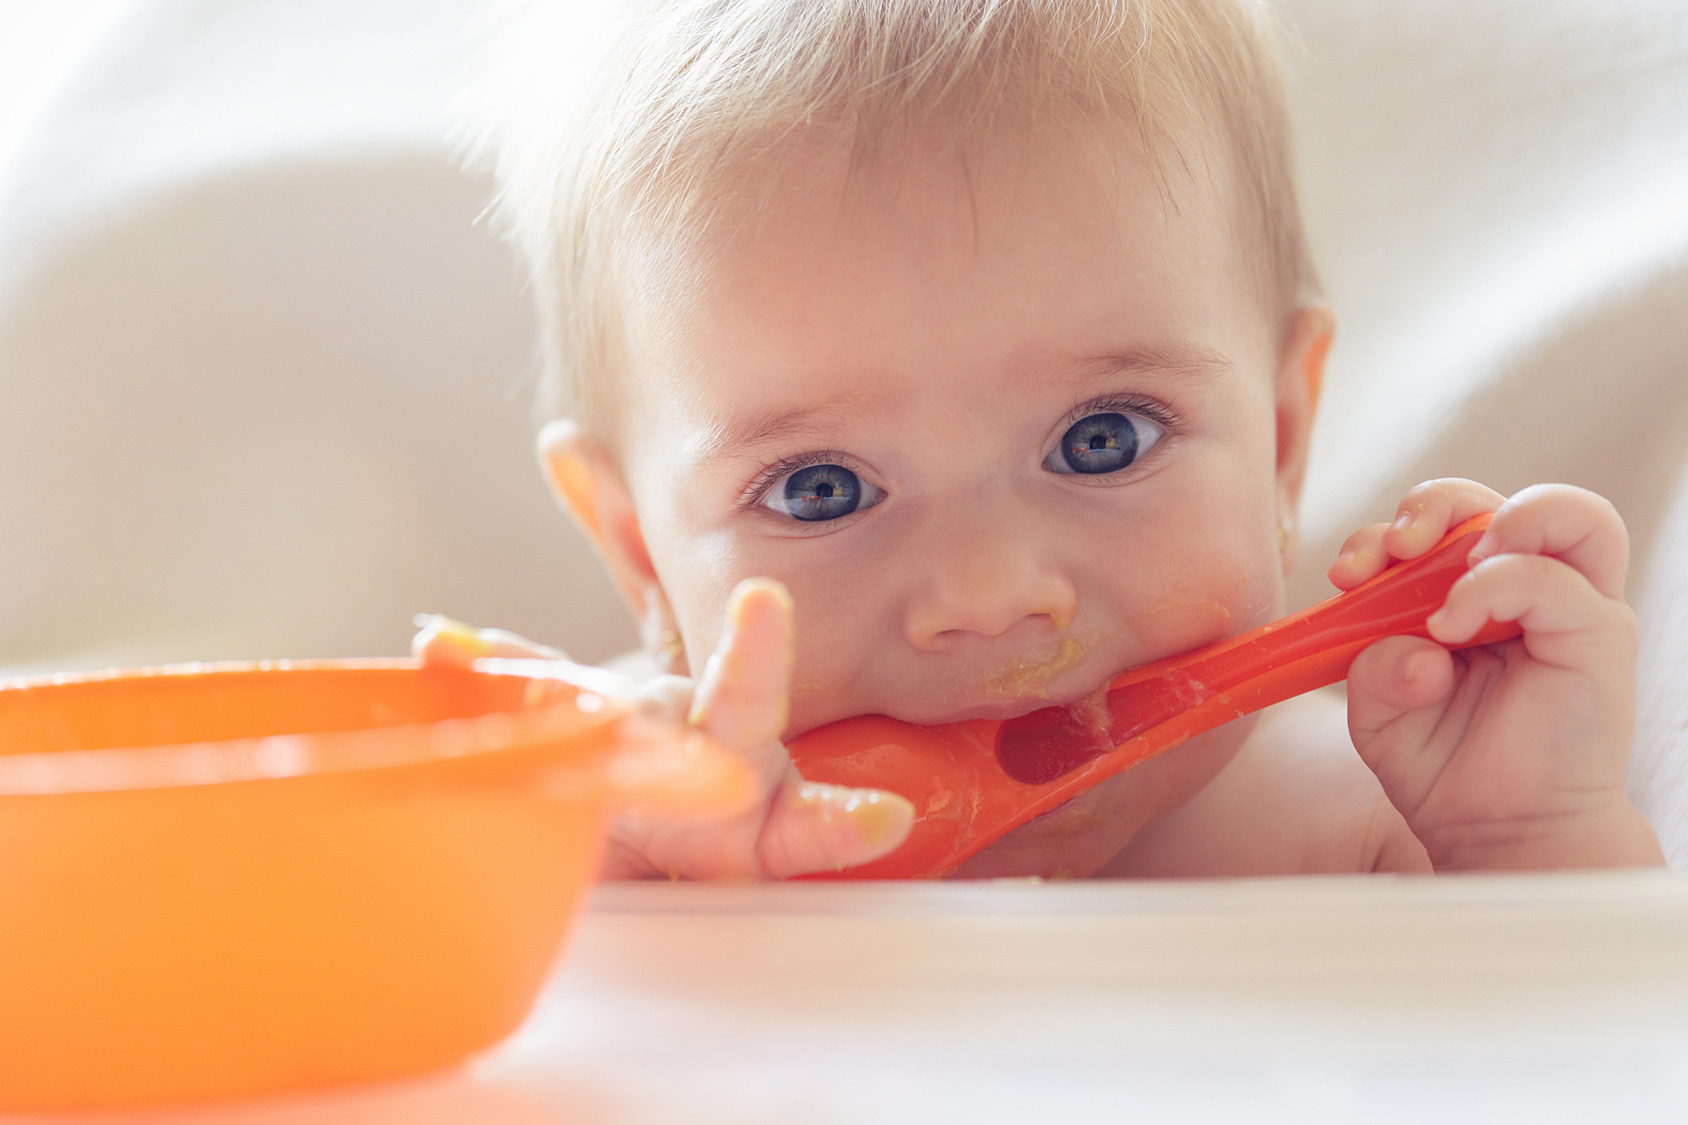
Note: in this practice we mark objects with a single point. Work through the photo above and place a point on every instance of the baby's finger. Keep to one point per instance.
(742, 697)
(813, 827)
(666, 697)
(1362, 557)
(1430, 509)
(1571, 524)
(441, 641)
(1566, 621)
(1392, 678)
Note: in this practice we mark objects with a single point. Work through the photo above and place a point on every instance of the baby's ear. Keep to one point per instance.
(1315, 328)
(1301, 379)
(565, 453)
(590, 486)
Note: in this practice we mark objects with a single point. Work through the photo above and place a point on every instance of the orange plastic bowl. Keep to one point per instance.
(226, 880)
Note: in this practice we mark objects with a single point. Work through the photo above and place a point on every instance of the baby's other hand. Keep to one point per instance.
(795, 827)
(1507, 756)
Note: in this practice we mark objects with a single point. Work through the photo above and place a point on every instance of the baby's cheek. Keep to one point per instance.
(698, 573)
(1200, 603)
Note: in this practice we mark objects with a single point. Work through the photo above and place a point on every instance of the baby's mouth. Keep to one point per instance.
(1009, 708)
(1020, 685)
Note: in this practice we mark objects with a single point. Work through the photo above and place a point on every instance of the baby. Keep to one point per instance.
(942, 359)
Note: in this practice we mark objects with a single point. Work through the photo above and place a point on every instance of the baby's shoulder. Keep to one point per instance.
(1296, 799)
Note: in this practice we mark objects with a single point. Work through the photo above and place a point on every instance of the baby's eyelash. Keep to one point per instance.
(1152, 409)
(769, 475)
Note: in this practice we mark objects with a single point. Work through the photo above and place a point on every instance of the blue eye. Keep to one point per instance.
(822, 492)
(1103, 443)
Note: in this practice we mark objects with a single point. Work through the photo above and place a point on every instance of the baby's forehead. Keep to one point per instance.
(935, 183)
(933, 201)
(841, 169)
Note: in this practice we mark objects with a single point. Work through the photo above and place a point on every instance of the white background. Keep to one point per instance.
(31, 32)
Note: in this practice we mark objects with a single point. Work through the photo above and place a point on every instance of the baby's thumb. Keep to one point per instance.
(742, 702)
(814, 827)
(1395, 676)
(742, 698)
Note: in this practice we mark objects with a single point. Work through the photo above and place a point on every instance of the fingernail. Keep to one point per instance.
(1486, 546)
(1404, 521)
(750, 586)
(465, 638)
(879, 819)
(865, 823)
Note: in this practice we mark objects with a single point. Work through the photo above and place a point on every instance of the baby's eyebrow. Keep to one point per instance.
(727, 440)
(730, 439)
(1178, 362)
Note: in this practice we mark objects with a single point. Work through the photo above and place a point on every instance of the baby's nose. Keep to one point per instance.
(982, 581)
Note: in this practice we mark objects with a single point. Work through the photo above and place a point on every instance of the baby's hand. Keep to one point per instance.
(1508, 756)
(795, 827)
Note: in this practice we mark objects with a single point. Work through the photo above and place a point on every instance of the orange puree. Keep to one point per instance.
(1028, 677)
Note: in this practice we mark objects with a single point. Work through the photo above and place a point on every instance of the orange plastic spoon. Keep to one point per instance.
(973, 782)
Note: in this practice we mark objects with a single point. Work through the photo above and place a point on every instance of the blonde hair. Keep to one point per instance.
(684, 93)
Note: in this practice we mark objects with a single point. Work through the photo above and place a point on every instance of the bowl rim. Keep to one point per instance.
(307, 754)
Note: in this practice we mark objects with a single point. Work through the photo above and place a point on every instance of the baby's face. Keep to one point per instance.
(1004, 429)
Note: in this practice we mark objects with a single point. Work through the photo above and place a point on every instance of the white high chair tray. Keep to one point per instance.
(1267, 999)
(1481, 998)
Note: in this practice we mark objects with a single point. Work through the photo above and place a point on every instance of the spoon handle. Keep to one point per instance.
(973, 782)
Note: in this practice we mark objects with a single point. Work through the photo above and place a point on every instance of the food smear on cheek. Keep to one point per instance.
(1181, 604)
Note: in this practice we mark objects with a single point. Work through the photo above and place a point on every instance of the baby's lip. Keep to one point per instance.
(1010, 708)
